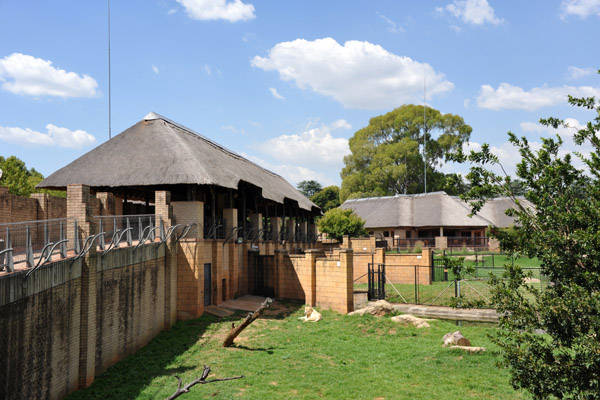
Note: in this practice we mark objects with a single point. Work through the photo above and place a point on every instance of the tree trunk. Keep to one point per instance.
(235, 331)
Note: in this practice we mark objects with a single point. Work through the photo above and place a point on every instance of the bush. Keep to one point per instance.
(338, 222)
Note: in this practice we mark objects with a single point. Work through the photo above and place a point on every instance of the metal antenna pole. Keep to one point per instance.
(109, 99)
(424, 132)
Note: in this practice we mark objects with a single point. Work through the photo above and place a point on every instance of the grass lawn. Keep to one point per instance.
(340, 357)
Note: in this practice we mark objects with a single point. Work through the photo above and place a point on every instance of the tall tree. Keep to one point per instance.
(338, 222)
(15, 176)
(386, 156)
(21, 181)
(327, 198)
(550, 336)
(309, 188)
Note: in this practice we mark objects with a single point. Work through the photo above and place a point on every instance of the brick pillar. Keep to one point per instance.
(290, 225)
(275, 228)
(190, 212)
(79, 207)
(280, 271)
(230, 217)
(163, 208)
(310, 284)
(346, 242)
(257, 221)
(109, 203)
(303, 229)
(5, 205)
(379, 256)
(347, 267)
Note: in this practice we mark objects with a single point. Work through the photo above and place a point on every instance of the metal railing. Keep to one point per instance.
(116, 230)
(32, 243)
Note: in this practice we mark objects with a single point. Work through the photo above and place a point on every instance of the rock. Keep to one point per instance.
(456, 338)
(412, 320)
(377, 308)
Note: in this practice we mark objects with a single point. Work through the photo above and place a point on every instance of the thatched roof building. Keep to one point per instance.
(157, 152)
(405, 219)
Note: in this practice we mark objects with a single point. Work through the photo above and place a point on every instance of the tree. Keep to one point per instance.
(21, 181)
(327, 198)
(309, 188)
(551, 337)
(386, 155)
(15, 176)
(338, 222)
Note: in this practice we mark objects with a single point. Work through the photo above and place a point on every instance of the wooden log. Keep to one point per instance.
(455, 338)
(235, 331)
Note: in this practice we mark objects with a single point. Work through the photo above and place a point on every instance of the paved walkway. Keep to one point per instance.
(244, 303)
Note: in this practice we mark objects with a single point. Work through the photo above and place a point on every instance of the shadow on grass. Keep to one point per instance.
(127, 378)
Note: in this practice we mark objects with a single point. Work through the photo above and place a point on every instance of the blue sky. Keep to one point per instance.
(287, 83)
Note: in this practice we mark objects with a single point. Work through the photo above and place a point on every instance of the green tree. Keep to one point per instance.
(385, 156)
(338, 222)
(21, 181)
(15, 176)
(327, 198)
(551, 337)
(309, 188)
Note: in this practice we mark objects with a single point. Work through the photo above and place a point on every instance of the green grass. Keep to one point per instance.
(340, 357)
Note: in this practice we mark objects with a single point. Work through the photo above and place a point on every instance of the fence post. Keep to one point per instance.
(63, 245)
(28, 249)
(129, 238)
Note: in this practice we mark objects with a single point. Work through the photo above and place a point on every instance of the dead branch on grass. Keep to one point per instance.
(202, 380)
(235, 331)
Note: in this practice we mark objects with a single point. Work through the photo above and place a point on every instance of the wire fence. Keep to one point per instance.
(437, 285)
(29, 243)
(117, 230)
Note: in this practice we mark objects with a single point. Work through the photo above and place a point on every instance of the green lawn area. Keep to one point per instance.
(340, 357)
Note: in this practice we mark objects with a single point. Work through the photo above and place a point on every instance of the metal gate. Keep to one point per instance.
(376, 276)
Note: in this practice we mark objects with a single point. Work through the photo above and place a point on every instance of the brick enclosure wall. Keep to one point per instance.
(38, 206)
(333, 282)
(40, 332)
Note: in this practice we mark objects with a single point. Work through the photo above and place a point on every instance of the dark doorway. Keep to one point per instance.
(262, 271)
(207, 285)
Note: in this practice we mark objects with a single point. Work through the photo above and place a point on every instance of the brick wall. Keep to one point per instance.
(333, 283)
(38, 206)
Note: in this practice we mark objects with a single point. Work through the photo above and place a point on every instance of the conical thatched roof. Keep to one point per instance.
(158, 151)
(428, 210)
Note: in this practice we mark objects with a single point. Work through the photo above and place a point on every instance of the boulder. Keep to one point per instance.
(408, 319)
(377, 308)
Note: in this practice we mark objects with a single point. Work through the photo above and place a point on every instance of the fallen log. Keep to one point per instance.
(470, 349)
(235, 331)
(202, 380)
(455, 338)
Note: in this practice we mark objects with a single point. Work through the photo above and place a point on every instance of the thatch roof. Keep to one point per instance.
(428, 210)
(158, 151)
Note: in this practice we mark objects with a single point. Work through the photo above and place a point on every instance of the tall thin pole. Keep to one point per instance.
(109, 97)
(424, 132)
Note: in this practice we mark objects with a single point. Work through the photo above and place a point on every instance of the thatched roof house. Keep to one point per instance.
(159, 154)
(425, 216)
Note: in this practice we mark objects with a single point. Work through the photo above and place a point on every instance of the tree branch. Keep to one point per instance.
(202, 380)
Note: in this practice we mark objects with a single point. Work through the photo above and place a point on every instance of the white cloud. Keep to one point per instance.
(232, 11)
(56, 136)
(255, 124)
(292, 173)
(392, 27)
(171, 11)
(466, 103)
(27, 75)
(515, 98)
(475, 12)
(358, 74)
(276, 94)
(580, 8)
(578, 73)
(315, 146)
(232, 129)
(207, 69)
(155, 69)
